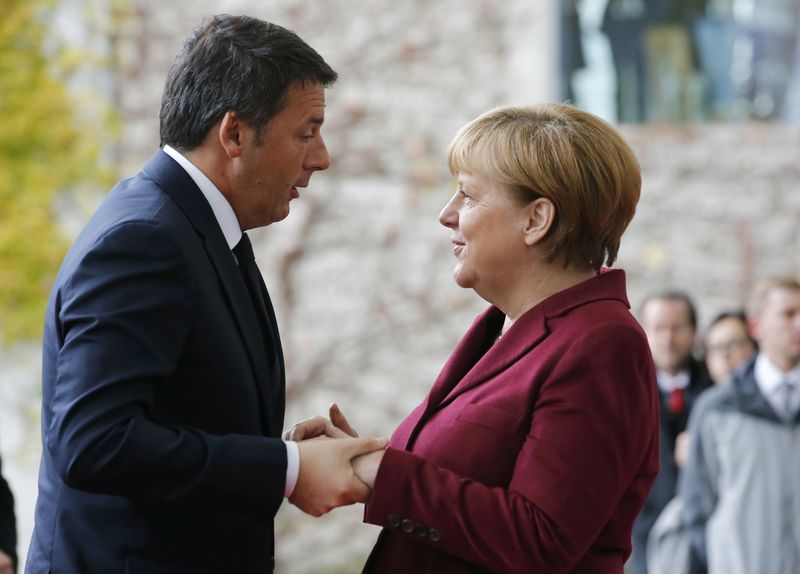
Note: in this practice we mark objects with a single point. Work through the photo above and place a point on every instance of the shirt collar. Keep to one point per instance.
(769, 377)
(223, 212)
(669, 383)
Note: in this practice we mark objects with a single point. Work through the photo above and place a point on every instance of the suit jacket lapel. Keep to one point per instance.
(177, 183)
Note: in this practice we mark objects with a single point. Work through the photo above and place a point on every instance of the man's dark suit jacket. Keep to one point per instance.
(531, 454)
(8, 521)
(161, 409)
(666, 485)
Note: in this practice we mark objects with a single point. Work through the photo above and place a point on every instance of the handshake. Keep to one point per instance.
(337, 468)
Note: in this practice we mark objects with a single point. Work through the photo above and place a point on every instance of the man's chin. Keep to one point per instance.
(281, 215)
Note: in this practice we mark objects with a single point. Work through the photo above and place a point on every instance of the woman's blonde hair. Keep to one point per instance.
(571, 157)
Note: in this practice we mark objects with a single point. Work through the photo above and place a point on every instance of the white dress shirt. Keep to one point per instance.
(770, 379)
(229, 223)
(668, 383)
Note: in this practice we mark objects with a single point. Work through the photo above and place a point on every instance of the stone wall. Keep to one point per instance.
(360, 272)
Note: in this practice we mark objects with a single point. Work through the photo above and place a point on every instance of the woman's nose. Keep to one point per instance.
(449, 215)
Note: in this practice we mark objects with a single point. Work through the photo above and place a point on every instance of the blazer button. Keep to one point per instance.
(393, 520)
(434, 535)
(421, 530)
(407, 526)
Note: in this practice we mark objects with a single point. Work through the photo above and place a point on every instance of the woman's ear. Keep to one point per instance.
(231, 134)
(541, 215)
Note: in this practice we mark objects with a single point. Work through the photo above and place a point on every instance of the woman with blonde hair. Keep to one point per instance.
(538, 442)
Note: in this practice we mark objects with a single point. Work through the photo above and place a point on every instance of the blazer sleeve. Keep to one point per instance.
(8, 522)
(592, 426)
(123, 316)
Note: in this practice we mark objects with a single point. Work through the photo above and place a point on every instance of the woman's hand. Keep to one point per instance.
(366, 467)
(335, 427)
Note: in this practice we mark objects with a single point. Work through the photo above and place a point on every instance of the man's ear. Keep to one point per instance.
(231, 134)
(541, 215)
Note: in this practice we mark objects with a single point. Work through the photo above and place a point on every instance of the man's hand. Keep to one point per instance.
(6, 566)
(327, 479)
(336, 427)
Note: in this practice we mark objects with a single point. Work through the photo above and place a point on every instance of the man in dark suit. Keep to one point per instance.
(8, 528)
(670, 322)
(163, 375)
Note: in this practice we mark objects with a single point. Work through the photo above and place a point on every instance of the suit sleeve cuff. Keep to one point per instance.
(292, 467)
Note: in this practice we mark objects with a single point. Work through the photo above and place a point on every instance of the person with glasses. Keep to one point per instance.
(728, 345)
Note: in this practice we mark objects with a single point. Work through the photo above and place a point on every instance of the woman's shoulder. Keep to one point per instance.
(599, 320)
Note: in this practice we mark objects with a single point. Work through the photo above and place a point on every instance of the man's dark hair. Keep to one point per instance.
(238, 64)
(673, 296)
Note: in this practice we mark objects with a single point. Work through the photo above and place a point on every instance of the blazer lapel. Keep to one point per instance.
(470, 348)
(177, 183)
(527, 332)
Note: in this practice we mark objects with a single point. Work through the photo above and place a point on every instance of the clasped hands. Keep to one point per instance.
(337, 468)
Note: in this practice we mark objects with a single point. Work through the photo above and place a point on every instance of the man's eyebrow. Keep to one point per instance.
(316, 120)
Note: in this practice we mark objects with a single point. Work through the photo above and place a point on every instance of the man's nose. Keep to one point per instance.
(319, 159)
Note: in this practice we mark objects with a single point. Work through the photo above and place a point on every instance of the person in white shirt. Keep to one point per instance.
(163, 383)
(739, 484)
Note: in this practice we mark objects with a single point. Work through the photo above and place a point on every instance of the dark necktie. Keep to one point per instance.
(252, 280)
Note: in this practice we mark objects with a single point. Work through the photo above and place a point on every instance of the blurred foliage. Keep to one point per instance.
(46, 148)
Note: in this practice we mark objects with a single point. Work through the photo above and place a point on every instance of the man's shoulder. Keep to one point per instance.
(136, 199)
(738, 395)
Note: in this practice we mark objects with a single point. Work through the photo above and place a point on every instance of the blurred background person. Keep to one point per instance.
(674, 84)
(624, 23)
(572, 56)
(8, 527)
(739, 484)
(728, 345)
(670, 320)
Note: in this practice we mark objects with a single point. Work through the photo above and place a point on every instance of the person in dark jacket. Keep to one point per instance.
(670, 321)
(8, 528)
(163, 384)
